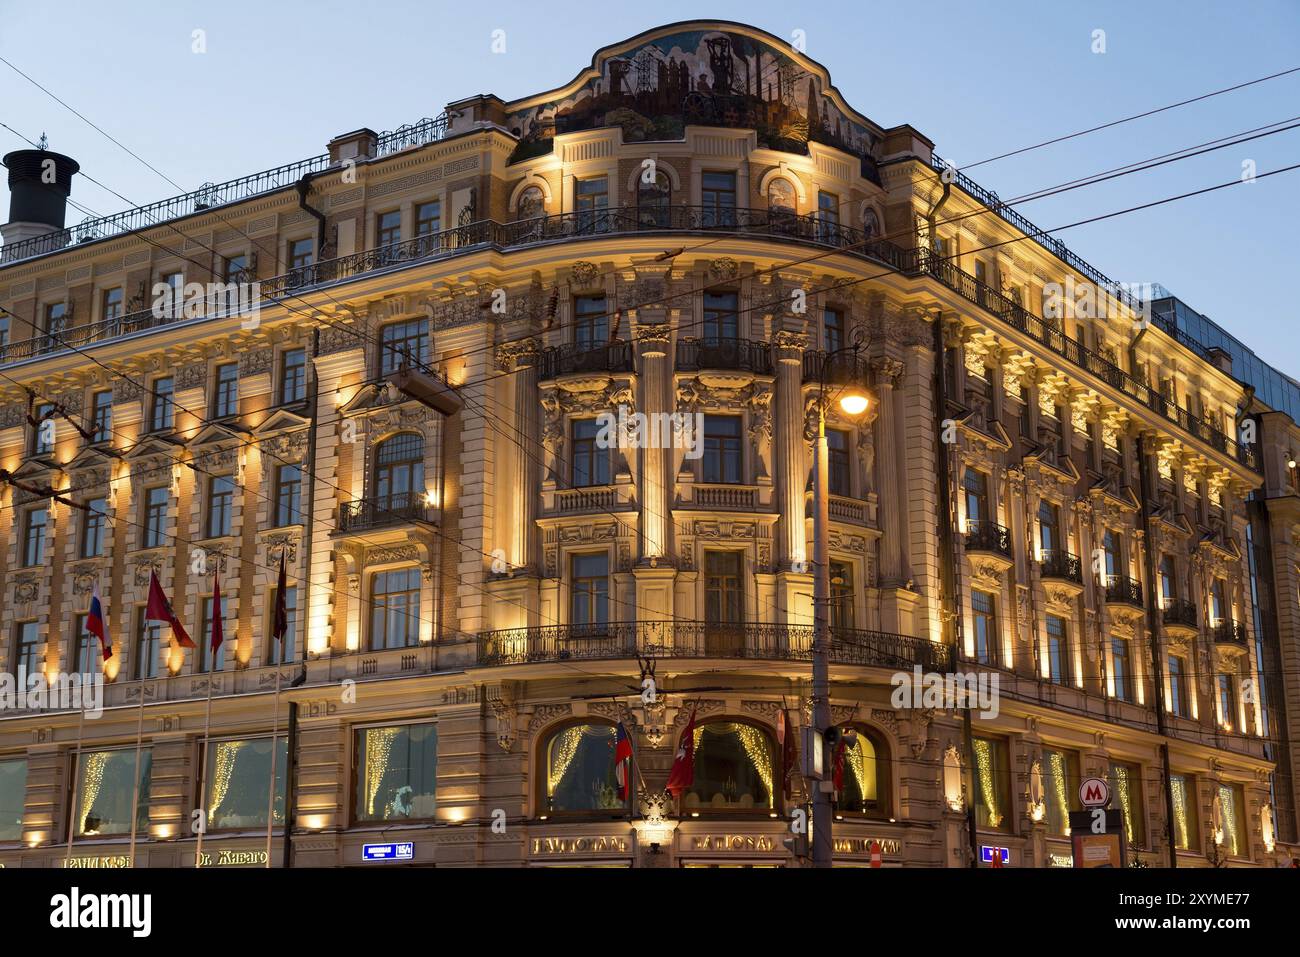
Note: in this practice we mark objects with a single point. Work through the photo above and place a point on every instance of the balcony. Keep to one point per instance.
(988, 537)
(1229, 635)
(571, 359)
(739, 498)
(697, 639)
(1179, 616)
(842, 369)
(572, 501)
(1122, 590)
(1061, 566)
(399, 508)
(696, 355)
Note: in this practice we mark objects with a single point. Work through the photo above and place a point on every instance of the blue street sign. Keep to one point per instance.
(388, 852)
(986, 853)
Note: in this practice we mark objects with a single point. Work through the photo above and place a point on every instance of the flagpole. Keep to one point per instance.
(135, 783)
(72, 818)
(203, 773)
(275, 733)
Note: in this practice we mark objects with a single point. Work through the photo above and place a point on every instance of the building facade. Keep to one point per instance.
(700, 232)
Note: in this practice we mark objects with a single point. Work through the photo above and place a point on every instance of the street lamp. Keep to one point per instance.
(854, 400)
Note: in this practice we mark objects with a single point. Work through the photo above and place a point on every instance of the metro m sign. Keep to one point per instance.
(1094, 792)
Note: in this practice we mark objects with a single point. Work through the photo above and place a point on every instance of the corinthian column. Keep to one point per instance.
(656, 403)
(525, 478)
(889, 455)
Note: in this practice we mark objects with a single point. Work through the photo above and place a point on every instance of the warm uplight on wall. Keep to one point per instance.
(431, 498)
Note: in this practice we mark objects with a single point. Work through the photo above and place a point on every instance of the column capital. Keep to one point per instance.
(519, 354)
(789, 345)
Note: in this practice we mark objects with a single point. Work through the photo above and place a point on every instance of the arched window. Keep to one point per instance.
(870, 223)
(578, 770)
(653, 200)
(531, 203)
(736, 768)
(862, 776)
(399, 471)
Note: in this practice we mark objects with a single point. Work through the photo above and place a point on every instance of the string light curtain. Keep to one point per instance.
(755, 744)
(1058, 800)
(984, 766)
(1125, 782)
(564, 748)
(1182, 832)
(92, 779)
(1231, 822)
(379, 747)
(861, 759)
(223, 767)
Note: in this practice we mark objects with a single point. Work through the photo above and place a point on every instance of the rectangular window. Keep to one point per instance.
(1058, 650)
(238, 780)
(1049, 527)
(108, 783)
(148, 646)
(718, 199)
(403, 343)
(589, 604)
(590, 461)
(1168, 580)
(163, 413)
(288, 495)
(992, 784)
(838, 474)
(724, 597)
(833, 329)
(35, 523)
(1126, 794)
(293, 376)
(591, 198)
(1060, 789)
(156, 502)
(976, 488)
(842, 617)
(590, 322)
(984, 609)
(278, 652)
(26, 648)
(722, 450)
(721, 320)
(388, 228)
(1227, 702)
(101, 417)
(221, 505)
(828, 217)
(172, 301)
(13, 797)
(300, 253)
(397, 773)
(86, 650)
(225, 401)
(43, 429)
(1218, 606)
(1110, 546)
(428, 218)
(236, 267)
(207, 661)
(1186, 824)
(395, 609)
(236, 273)
(1232, 810)
(56, 318)
(111, 304)
(92, 528)
(1121, 669)
(1177, 686)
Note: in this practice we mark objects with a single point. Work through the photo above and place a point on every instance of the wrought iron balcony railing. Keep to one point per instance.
(698, 639)
(366, 513)
(1122, 590)
(842, 369)
(1229, 632)
(572, 357)
(988, 537)
(745, 354)
(1055, 563)
(1179, 611)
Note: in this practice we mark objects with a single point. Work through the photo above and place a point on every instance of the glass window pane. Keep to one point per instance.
(239, 783)
(106, 785)
(580, 770)
(13, 795)
(397, 772)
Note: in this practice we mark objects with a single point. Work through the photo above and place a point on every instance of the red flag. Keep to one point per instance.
(218, 635)
(623, 761)
(838, 772)
(280, 627)
(785, 737)
(159, 609)
(682, 776)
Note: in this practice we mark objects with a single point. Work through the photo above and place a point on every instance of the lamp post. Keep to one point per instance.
(853, 401)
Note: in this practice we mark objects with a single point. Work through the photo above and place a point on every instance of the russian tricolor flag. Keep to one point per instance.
(96, 625)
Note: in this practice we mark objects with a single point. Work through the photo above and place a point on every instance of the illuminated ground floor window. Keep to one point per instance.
(239, 782)
(13, 794)
(107, 785)
(397, 770)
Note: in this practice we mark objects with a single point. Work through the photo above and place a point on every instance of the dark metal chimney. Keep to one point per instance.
(39, 185)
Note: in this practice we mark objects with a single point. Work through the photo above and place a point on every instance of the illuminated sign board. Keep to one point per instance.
(388, 852)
